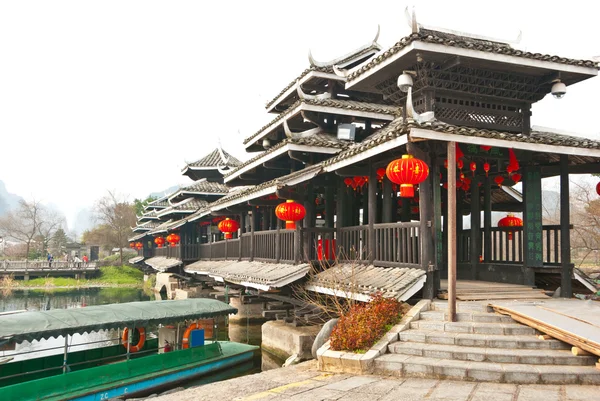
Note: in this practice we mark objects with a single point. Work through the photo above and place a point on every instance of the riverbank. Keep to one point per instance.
(305, 382)
(109, 276)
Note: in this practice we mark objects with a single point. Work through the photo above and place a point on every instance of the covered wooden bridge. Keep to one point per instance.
(459, 103)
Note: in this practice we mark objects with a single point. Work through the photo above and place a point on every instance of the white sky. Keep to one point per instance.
(98, 95)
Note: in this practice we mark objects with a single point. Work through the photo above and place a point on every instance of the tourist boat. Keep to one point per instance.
(130, 366)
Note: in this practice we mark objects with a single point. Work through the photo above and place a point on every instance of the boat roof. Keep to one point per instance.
(60, 322)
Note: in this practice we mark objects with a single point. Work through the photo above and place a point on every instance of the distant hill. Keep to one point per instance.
(8, 200)
(167, 191)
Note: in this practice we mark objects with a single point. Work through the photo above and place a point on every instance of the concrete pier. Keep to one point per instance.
(284, 340)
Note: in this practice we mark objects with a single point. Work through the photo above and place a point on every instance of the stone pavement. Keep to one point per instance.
(304, 382)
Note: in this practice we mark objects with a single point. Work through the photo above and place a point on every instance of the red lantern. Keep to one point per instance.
(170, 238)
(473, 167)
(407, 172)
(414, 209)
(139, 245)
(380, 174)
(486, 148)
(446, 164)
(291, 212)
(513, 163)
(499, 180)
(228, 227)
(486, 168)
(159, 241)
(132, 245)
(348, 181)
(510, 221)
(598, 188)
(459, 164)
(516, 177)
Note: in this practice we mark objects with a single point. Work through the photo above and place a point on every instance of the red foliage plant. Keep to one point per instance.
(365, 323)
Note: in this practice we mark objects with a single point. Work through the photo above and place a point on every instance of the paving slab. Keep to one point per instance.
(304, 382)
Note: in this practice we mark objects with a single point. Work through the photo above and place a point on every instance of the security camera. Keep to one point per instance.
(266, 143)
(405, 81)
(558, 89)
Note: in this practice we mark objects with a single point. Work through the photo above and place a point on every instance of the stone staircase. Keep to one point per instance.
(482, 346)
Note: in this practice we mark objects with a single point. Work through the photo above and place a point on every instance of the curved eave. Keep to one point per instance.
(291, 92)
(254, 143)
(282, 151)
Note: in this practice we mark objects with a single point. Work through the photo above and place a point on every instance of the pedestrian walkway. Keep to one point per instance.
(305, 383)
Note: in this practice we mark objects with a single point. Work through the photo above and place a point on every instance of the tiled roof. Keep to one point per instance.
(398, 128)
(252, 274)
(151, 215)
(326, 69)
(149, 225)
(337, 103)
(158, 203)
(321, 140)
(447, 39)
(161, 263)
(204, 186)
(214, 159)
(345, 280)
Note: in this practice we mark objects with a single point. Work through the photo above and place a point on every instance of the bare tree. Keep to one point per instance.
(585, 217)
(23, 224)
(114, 211)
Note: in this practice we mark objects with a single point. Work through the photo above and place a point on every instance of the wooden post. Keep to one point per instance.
(475, 239)
(566, 286)
(437, 221)
(363, 201)
(240, 247)
(66, 350)
(452, 231)
(252, 243)
(329, 205)
(278, 244)
(341, 208)
(386, 213)
(297, 244)
(309, 221)
(427, 254)
(372, 209)
(487, 219)
(267, 218)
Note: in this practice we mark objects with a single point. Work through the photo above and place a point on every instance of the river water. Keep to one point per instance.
(34, 300)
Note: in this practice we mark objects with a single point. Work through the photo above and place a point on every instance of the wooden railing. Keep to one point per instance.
(33, 265)
(352, 244)
(169, 251)
(318, 244)
(397, 244)
(507, 245)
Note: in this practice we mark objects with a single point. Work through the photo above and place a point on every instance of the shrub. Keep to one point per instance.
(365, 323)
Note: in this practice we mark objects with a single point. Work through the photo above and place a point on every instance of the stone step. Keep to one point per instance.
(474, 306)
(474, 327)
(417, 366)
(480, 340)
(483, 317)
(495, 355)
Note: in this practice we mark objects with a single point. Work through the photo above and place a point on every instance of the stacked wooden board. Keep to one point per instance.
(573, 321)
(467, 290)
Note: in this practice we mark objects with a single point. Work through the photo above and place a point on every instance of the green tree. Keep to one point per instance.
(141, 204)
(58, 242)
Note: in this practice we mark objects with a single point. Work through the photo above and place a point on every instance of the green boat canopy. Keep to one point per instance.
(59, 322)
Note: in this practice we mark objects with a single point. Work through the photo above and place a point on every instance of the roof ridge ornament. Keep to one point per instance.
(357, 52)
(224, 158)
(306, 96)
(339, 72)
(411, 19)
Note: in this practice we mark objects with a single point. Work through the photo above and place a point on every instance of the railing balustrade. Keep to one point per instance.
(397, 244)
(507, 245)
(353, 244)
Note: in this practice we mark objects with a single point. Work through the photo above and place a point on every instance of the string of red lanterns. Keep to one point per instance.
(159, 241)
(173, 239)
(139, 245)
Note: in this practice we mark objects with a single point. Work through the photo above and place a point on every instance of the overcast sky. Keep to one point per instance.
(98, 95)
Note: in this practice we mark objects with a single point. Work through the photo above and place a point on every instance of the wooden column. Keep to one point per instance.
(364, 202)
(487, 219)
(452, 231)
(372, 209)
(267, 218)
(252, 225)
(427, 250)
(340, 204)
(566, 287)
(329, 205)
(386, 213)
(240, 247)
(437, 222)
(475, 239)
(309, 221)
